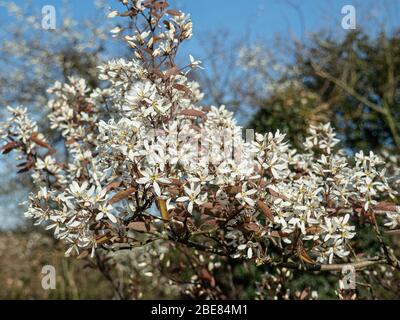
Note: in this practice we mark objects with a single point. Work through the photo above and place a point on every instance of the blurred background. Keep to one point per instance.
(278, 64)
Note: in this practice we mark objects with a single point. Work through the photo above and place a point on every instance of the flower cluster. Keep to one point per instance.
(160, 165)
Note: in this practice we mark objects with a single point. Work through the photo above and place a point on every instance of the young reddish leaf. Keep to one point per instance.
(303, 255)
(193, 113)
(24, 169)
(9, 147)
(167, 24)
(83, 254)
(313, 230)
(39, 142)
(266, 210)
(140, 226)
(233, 190)
(278, 234)
(176, 182)
(174, 12)
(304, 294)
(252, 227)
(122, 195)
(112, 185)
(207, 276)
(386, 206)
(183, 88)
(129, 13)
(276, 194)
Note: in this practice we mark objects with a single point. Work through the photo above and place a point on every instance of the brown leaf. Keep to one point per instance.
(24, 169)
(41, 143)
(208, 222)
(206, 275)
(83, 254)
(233, 189)
(393, 232)
(9, 147)
(158, 5)
(304, 294)
(129, 13)
(266, 210)
(313, 230)
(386, 206)
(208, 205)
(276, 194)
(174, 12)
(176, 182)
(183, 88)
(193, 113)
(112, 185)
(278, 234)
(122, 195)
(167, 24)
(156, 39)
(173, 190)
(140, 226)
(303, 255)
(148, 50)
(252, 227)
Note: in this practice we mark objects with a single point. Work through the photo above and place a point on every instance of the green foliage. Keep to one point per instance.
(353, 82)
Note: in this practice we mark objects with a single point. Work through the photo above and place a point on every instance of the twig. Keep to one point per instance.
(358, 265)
(393, 232)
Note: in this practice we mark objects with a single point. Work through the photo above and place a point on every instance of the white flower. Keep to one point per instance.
(112, 14)
(195, 63)
(244, 196)
(393, 220)
(193, 196)
(104, 210)
(152, 177)
(78, 190)
(249, 247)
(116, 30)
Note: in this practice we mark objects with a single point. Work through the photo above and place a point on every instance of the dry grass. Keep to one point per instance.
(22, 256)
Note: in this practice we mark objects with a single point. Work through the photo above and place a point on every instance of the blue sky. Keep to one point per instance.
(253, 20)
(259, 18)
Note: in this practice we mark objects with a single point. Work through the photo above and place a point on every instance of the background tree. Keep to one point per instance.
(353, 82)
